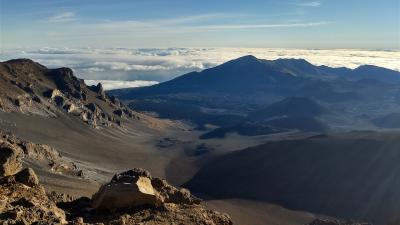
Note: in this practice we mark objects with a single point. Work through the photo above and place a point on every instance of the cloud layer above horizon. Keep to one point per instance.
(123, 64)
(120, 84)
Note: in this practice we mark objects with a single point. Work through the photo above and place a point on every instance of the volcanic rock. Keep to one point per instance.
(99, 90)
(14, 151)
(134, 197)
(170, 194)
(22, 204)
(128, 189)
(10, 159)
(28, 177)
(136, 187)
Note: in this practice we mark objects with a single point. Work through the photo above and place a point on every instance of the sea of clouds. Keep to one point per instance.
(123, 67)
(119, 84)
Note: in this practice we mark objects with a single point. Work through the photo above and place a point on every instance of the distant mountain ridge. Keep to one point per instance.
(248, 72)
(241, 87)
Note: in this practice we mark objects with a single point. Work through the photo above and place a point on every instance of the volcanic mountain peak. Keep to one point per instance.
(281, 66)
(249, 73)
(277, 62)
(247, 59)
(28, 87)
(237, 66)
(244, 73)
(292, 62)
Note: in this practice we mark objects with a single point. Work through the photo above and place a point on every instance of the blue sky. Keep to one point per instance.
(368, 24)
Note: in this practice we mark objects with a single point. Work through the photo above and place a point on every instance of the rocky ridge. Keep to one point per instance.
(24, 201)
(31, 88)
(15, 152)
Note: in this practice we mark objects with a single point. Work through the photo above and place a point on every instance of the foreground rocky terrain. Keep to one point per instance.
(132, 197)
(24, 201)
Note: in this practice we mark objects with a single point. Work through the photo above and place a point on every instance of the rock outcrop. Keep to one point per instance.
(15, 151)
(128, 189)
(28, 177)
(136, 187)
(169, 194)
(10, 159)
(137, 198)
(24, 201)
(38, 90)
(167, 214)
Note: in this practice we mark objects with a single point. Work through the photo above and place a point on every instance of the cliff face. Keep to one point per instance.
(31, 88)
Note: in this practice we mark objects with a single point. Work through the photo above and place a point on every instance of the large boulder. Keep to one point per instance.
(10, 159)
(128, 189)
(136, 187)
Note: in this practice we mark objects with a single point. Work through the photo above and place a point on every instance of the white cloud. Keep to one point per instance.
(311, 4)
(195, 18)
(62, 17)
(260, 26)
(182, 25)
(148, 32)
(118, 84)
(129, 67)
(164, 64)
